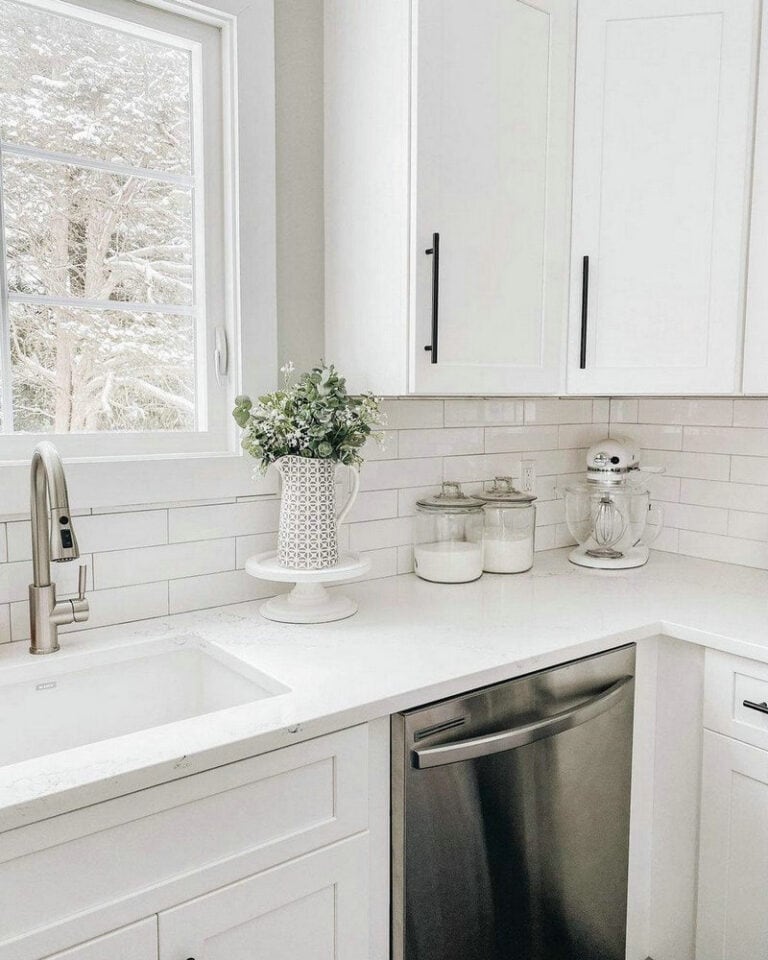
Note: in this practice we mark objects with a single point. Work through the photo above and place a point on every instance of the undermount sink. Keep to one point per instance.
(46, 707)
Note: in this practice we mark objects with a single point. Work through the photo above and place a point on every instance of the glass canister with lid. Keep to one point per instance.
(448, 536)
(509, 528)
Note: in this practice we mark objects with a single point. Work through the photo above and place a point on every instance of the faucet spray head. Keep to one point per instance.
(63, 540)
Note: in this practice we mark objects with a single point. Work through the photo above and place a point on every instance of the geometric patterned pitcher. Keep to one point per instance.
(308, 538)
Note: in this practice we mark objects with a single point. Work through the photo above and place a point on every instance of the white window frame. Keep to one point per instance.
(112, 470)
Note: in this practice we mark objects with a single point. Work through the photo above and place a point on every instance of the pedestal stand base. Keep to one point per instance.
(309, 601)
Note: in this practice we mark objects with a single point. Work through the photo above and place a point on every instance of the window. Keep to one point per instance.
(114, 270)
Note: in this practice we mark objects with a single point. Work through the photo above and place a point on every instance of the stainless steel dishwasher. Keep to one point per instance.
(510, 818)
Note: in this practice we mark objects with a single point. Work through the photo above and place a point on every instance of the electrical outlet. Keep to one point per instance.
(528, 476)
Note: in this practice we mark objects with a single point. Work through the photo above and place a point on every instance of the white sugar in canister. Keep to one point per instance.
(448, 561)
(507, 555)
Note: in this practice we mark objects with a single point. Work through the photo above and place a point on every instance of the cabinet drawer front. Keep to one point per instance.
(155, 848)
(314, 908)
(731, 685)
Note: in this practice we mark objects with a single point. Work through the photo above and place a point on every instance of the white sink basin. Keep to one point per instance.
(53, 705)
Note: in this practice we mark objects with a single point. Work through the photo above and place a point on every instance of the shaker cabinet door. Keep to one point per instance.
(136, 942)
(311, 908)
(492, 115)
(756, 329)
(664, 101)
(733, 862)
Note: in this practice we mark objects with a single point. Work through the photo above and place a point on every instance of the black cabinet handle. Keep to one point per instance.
(760, 707)
(434, 252)
(584, 310)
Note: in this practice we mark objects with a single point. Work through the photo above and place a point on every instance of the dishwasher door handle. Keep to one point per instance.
(471, 749)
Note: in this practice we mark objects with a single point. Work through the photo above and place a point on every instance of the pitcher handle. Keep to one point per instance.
(353, 495)
(654, 509)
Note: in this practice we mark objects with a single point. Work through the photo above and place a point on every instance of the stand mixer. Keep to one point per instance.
(610, 513)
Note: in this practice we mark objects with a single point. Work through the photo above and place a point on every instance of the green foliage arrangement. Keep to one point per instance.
(315, 417)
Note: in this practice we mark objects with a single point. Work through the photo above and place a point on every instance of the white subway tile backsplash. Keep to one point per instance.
(707, 411)
(373, 505)
(513, 439)
(550, 512)
(733, 496)
(185, 556)
(696, 466)
(651, 436)
(566, 410)
(383, 563)
(688, 516)
(405, 559)
(384, 446)
(412, 414)
(376, 534)
(213, 590)
(121, 605)
(571, 436)
(624, 410)
(394, 474)
(99, 532)
(480, 467)
(749, 526)
(749, 469)
(750, 413)
(253, 545)
(751, 553)
(18, 576)
(481, 413)
(441, 443)
(226, 520)
(551, 462)
(747, 441)
(120, 568)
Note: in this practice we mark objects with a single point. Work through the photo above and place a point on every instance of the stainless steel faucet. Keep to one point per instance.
(53, 538)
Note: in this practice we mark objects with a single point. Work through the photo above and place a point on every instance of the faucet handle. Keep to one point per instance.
(79, 605)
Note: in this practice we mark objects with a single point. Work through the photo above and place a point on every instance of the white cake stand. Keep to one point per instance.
(309, 601)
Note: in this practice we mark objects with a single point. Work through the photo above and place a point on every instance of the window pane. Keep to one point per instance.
(71, 87)
(78, 370)
(74, 232)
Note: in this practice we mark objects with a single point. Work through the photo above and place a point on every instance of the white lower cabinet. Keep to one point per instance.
(314, 908)
(269, 858)
(136, 942)
(733, 856)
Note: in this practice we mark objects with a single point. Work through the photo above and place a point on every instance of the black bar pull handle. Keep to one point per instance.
(760, 707)
(434, 252)
(584, 312)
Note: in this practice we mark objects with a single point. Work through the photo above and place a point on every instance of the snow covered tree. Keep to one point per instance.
(88, 225)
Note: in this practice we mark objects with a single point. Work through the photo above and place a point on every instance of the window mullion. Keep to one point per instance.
(81, 303)
(6, 370)
(102, 166)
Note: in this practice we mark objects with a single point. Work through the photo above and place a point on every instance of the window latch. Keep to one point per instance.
(220, 355)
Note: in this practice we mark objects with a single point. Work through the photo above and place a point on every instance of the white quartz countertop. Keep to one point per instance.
(411, 642)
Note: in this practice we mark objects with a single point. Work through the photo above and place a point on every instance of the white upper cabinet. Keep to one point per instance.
(491, 180)
(664, 100)
(756, 333)
(451, 120)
